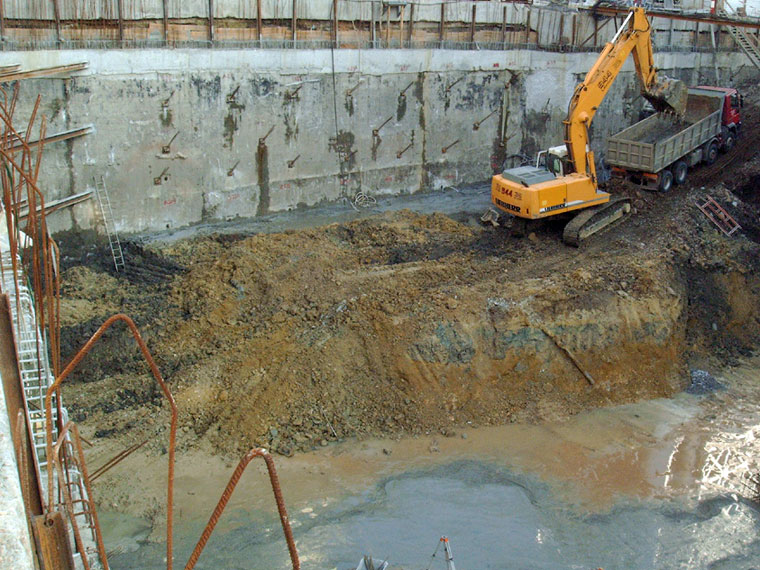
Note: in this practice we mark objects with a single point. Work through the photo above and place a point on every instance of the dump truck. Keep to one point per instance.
(658, 151)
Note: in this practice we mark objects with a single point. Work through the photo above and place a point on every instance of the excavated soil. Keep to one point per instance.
(406, 323)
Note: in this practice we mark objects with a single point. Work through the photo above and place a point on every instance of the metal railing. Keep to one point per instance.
(35, 45)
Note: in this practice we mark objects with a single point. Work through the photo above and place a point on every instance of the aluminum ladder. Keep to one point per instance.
(108, 222)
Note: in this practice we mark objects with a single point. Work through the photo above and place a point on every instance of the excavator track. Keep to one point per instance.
(593, 220)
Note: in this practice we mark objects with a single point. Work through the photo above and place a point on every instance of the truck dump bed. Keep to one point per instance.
(661, 139)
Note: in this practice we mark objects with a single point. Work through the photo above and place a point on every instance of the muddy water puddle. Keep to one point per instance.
(656, 484)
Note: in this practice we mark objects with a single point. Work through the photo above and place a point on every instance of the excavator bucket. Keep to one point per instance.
(668, 95)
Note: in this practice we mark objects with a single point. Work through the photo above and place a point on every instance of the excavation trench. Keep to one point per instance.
(401, 323)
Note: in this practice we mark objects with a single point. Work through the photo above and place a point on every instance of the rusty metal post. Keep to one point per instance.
(2, 19)
(120, 9)
(63, 486)
(294, 21)
(91, 511)
(411, 24)
(57, 13)
(442, 24)
(472, 23)
(23, 450)
(504, 27)
(211, 20)
(224, 499)
(52, 540)
(166, 22)
(335, 22)
(258, 19)
(527, 28)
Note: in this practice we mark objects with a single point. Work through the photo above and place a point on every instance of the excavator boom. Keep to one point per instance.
(633, 38)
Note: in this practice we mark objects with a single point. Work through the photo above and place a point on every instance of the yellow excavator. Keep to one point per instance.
(566, 181)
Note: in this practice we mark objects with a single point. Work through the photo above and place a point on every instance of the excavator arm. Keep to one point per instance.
(633, 37)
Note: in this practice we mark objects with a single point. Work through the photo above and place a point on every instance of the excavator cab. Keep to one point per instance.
(555, 159)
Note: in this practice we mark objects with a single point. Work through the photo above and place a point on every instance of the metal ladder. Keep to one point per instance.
(745, 42)
(108, 222)
(36, 378)
(718, 216)
(33, 363)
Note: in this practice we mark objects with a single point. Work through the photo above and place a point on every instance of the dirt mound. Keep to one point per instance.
(407, 323)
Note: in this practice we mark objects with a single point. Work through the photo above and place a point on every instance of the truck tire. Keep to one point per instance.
(711, 153)
(680, 172)
(665, 181)
(729, 140)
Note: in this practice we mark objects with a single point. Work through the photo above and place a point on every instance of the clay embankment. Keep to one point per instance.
(407, 323)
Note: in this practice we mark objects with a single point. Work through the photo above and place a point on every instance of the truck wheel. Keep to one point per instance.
(665, 181)
(711, 154)
(680, 171)
(729, 141)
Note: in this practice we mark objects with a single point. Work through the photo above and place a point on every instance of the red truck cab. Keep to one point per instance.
(732, 102)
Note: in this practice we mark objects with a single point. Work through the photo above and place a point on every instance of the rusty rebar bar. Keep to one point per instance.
(227, 493)
(116, 459)
(376, 132)
(445, 149)
(43, 279)
(167, 393)
(89, 503)
(43, 274)
(63, 488)
(45, 256)
(57, 269)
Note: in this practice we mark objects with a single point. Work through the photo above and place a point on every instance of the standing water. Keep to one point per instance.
(657, 484)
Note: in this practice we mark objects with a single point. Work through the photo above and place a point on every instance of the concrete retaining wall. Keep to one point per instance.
(15, 542)
(218, 167)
